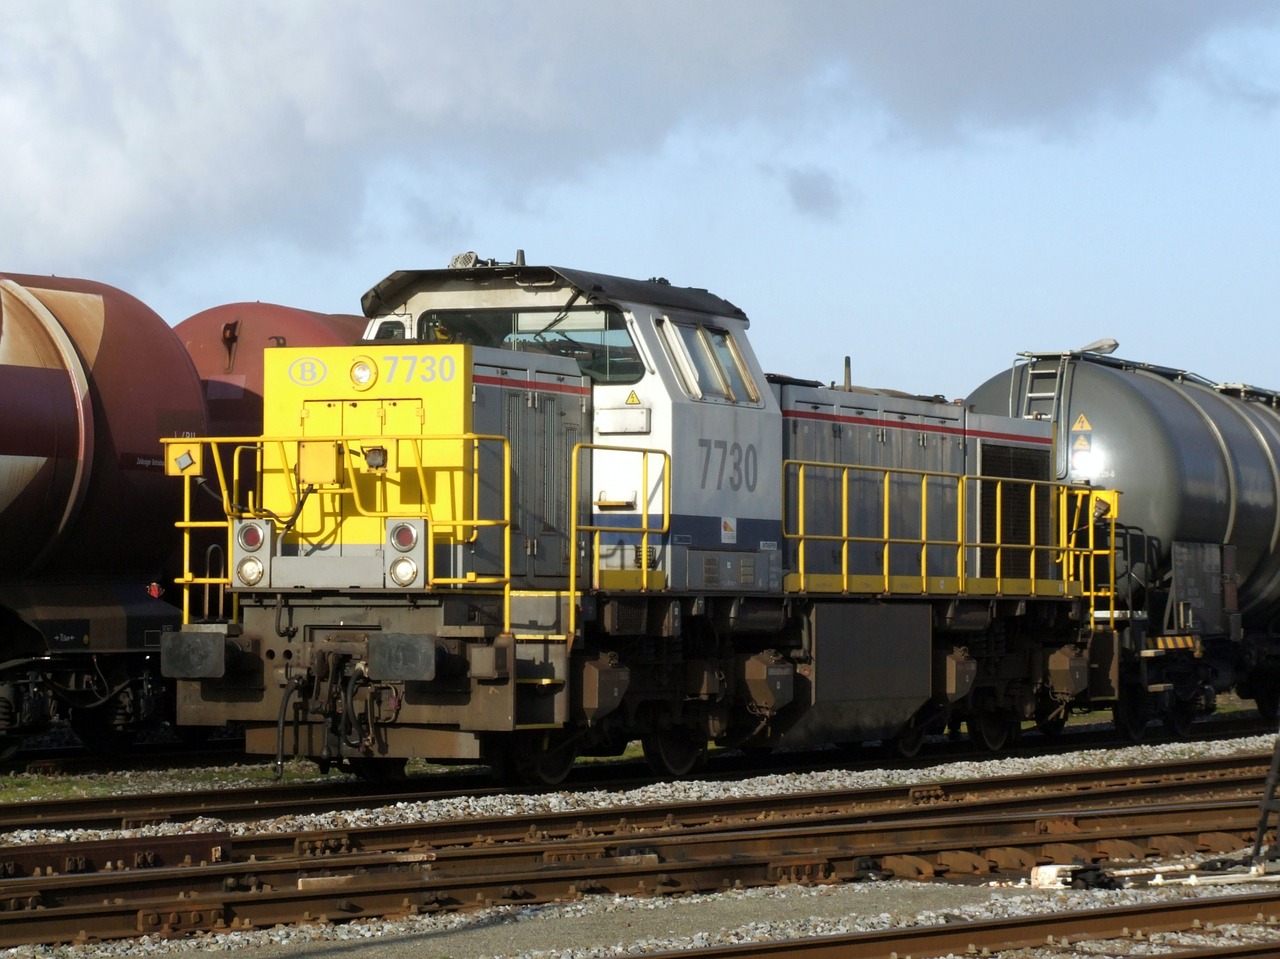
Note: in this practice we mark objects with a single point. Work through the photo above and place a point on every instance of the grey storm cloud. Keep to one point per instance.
(147, 129)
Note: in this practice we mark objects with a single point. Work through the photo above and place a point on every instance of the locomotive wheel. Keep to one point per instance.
(1179, 718)
(9, 746)
(673, 752)
(1129, 721)
(854, 749)
(1051, 727)
(1051, 718)
(992, 731)
(97, 733)
(193, 735)
(544, 762)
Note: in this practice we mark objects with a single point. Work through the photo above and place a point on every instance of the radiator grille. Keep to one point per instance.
(1013, 505)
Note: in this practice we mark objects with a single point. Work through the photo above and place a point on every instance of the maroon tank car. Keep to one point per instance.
(90, 379)
(226, 344)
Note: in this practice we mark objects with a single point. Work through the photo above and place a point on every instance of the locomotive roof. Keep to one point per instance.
(393, 290)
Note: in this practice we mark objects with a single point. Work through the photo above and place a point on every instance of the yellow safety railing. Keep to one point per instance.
(1088, 523)
(647, 579)
(239, 502)
(189, 579)
(915, 531)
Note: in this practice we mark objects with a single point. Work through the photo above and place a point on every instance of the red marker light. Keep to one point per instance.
(250, 536)
(404, 537)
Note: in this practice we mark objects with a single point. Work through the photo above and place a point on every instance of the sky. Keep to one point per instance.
(927, 186)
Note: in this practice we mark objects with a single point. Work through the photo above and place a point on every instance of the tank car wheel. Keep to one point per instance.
(1129, 721)
(376, 769)
(673, 752)
(1179, 718)
(907, 743)
(992, 731)
(9, 746)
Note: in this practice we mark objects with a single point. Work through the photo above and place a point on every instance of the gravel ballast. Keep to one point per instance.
(619, 926)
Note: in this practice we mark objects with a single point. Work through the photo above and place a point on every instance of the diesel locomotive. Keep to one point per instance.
(537, 513)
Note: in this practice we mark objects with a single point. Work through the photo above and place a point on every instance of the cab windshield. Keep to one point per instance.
(596, 338)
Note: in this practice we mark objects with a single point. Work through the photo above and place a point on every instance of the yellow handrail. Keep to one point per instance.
(645, 529)
(1043, 558)
(460, 528)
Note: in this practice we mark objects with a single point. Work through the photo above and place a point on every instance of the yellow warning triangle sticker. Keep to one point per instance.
(1081, 443)
(1081, 425)
(632, 399)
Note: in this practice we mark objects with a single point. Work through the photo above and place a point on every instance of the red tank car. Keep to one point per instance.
(90, 380)
(226, 344)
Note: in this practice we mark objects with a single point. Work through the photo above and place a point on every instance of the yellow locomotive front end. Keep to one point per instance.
(364, 552)
(368, 470)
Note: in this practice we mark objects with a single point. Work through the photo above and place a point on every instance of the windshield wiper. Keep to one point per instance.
(561, 316)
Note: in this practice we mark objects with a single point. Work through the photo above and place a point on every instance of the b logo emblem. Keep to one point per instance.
(307, 371)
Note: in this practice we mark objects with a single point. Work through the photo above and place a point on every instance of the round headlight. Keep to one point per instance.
(250, 571)
(250, 537)
(364, 373)
(404, 537)
(404, 571)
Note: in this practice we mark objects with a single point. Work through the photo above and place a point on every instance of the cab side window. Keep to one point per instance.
(389, 330)
(708, 363)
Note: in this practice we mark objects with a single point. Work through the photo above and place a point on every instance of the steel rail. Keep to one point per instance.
(1047, 930)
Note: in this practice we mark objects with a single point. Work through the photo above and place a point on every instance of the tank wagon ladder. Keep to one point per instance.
(1043, 394)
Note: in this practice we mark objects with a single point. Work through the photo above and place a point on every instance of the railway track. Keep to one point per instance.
(183, 884)
(1129, 927)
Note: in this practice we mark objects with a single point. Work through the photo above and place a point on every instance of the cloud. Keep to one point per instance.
(149, 131)
(813, 191)
(939, 68)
